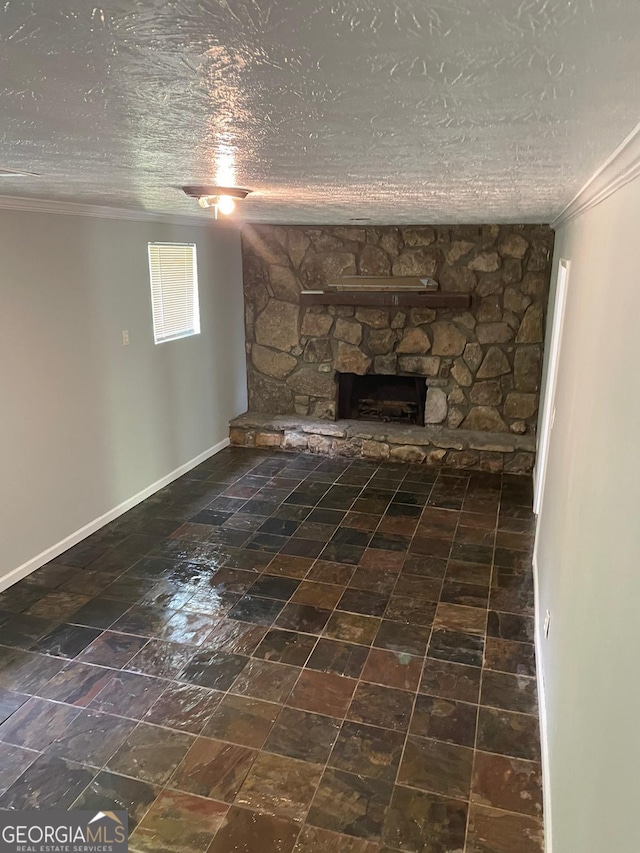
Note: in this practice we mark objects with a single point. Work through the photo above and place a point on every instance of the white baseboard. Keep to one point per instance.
(542, 704)
(69, 541)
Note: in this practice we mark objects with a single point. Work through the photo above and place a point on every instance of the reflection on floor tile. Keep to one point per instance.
(77, 684)
(299, 734)
(418, 820)
(282, 652)
(184, 707)
(128, 695)
(150, 753)
(178, 823)
(37, 724)
(242, 720)
(432, 765)
(354, 805)
(508, 733)
(280, 786)
(445, 720)
(49, 782)
(492, 831)
(322, 692)
(92, 739)
(14, 760)
(381, 706)
(109, 791)
(213, 769)
(312, 839)
(246, 831)
(507, 783)
(368, 751)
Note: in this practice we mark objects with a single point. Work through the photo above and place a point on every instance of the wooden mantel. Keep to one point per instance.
(415, 299)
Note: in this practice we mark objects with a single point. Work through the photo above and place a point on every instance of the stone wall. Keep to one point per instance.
(482, 365)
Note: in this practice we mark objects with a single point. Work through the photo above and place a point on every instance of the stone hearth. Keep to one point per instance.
(387, 441)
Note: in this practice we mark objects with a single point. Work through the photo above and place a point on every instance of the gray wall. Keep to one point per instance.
(86, 423)
(589, 539)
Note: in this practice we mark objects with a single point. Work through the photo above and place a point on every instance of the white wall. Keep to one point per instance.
(589, 538)
(86, 423)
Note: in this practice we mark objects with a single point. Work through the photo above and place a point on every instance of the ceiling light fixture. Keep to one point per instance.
(221, 199)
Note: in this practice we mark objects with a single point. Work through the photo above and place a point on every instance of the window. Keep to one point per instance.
(174, 291)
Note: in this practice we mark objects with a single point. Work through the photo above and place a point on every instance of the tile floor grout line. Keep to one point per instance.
(343, 720)
(426, 652)
(477, 727)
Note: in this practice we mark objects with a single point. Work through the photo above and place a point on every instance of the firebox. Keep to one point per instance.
(377, 397)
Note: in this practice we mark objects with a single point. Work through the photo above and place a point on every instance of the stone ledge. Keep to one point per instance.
(392, 432)
(487, 451)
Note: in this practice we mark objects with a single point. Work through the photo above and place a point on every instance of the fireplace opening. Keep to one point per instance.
(376, 397)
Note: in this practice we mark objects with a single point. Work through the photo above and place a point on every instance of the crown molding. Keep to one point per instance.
(622, 167)
(71, 208)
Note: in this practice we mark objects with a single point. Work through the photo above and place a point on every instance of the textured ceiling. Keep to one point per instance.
(396, 110)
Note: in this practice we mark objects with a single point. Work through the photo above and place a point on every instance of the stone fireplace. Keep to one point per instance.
(478, 367)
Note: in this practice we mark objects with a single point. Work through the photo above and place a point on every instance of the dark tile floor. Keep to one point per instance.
(286, 653)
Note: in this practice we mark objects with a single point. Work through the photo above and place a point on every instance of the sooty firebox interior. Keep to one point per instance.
(375, 397)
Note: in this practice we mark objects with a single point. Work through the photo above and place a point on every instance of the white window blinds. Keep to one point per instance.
(174, 290)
